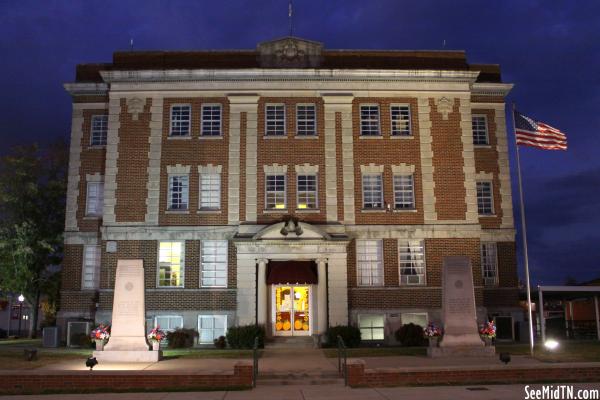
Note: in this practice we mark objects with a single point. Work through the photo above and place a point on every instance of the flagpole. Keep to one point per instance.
(524, 232)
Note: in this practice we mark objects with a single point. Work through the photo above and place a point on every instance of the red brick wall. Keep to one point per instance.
(132, 165)
(387, 151)
(448, 164)
(290, 151)
(194, 152)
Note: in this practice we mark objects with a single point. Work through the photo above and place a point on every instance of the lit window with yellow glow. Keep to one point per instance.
(307, 192)
(275, 192)
(170, 264)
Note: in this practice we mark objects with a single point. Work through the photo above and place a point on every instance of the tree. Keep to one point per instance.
(32, 205)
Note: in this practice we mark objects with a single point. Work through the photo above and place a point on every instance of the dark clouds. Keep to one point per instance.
(549, 49)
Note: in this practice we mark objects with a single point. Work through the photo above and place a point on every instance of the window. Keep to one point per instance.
(485, 201)
(168, 323)
(210, 327)
(306, 124)
(275, 120)
(214, 263)
(371, 326)
(480, 132)
(369, 256)
(91, 267)
(211, 120)
(94, 199)
(400, 120)
(99, 130)
(369, 120)
(170, 264)
(412, 262)
(180, 120)
(210, 191)
(404, 192)
(178, 192)
(307, 191)
(372, 192)
(275, 192)
(489, 263)
(420, 319)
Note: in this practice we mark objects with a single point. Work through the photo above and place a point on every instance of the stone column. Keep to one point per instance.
(322, 296)
(261, 289)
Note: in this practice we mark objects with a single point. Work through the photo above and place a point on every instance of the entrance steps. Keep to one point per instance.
(291, 342)
(299, 378)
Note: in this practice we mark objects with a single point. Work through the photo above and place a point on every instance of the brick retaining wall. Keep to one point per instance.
(23, 382)
(358, 376)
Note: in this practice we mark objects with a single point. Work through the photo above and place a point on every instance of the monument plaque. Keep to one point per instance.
(461, 333)
(128, 335)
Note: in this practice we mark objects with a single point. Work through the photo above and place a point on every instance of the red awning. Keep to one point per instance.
(283, 272)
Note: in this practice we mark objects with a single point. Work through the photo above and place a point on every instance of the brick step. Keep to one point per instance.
(299, 379)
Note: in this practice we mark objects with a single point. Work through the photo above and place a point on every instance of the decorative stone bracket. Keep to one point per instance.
(444, 106)
(135, 106)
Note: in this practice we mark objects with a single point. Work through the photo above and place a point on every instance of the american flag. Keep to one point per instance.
(538, 134)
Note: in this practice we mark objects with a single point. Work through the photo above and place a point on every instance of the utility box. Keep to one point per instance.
(50, 336)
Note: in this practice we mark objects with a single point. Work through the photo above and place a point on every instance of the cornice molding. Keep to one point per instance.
(492, 89)
(86, 89)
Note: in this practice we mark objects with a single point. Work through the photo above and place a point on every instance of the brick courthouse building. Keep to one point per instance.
(291, 185)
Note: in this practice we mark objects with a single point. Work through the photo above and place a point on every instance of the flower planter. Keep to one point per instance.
(487, 341)
(434, 341)
(100, 345)
(155, 345)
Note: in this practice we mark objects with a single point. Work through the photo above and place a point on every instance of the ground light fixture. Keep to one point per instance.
(505, 358)
(91, 362)
(551, 344)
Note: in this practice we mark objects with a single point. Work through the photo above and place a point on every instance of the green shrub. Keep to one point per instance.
(81, 340)
(220, 342)
(350, 335)
(410, 335)
(180, 338)
(242, 337)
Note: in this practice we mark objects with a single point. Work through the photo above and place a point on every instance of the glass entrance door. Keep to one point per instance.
(291, 316)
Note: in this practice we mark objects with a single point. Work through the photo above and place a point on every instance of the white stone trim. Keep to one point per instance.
(90, 106)
(430, 231)
(112, 155)
(209, 169)
(403, 169)
(73, 172)
(306, 169)
(135, 106)
(97, 177)
(178, 169)
(79, 238)
(275, 169)
(444, 106)
(154, 159)
(79, 88)
(491, 89)
(371, 169)
(468, 153)
(428, 184)
(504, 168)
(484, 176)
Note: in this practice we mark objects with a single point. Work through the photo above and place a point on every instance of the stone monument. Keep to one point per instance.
(127, 341)
(461, 332)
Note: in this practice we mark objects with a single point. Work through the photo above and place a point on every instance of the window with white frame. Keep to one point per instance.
(489, 263)
(369, 260)
(412, 262)
(91, 267)
(372, 191)
(181, 120)
(99, 130)
(307, 192)
(94, 199)
(275, 192)
(400, 116)
(306, 120)
(275, 120)
(372, 326)
(210, 191)
(210, 327)
(420, 319)
(480, 130)
(170, 264)
(369, 120)
(485, 199)
(178, 192)
(211, 120)
(214, 263)
(404, 192)
(168, 323)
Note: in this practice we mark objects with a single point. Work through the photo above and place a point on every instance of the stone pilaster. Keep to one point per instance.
(112, 155)
(74, 166)
(154, 154)
(428, 184)
(504, 168)
(466, 126)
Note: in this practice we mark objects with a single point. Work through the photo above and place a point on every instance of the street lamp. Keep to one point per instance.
(21, 299)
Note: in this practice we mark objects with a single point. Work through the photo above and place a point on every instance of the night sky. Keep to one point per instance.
(549, 49)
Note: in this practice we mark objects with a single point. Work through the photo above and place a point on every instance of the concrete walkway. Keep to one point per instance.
(307, 360)
(330, 392)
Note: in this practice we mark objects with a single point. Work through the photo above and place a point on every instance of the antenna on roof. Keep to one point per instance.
(131, 44)
(444, 43)
(290, 15)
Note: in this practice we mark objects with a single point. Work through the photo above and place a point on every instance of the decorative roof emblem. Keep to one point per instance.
(290, 51)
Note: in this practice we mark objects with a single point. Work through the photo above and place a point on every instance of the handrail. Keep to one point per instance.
(342, 354)
(255, 361)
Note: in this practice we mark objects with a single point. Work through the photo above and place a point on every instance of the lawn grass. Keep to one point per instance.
(567, 351)
(207, 353)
